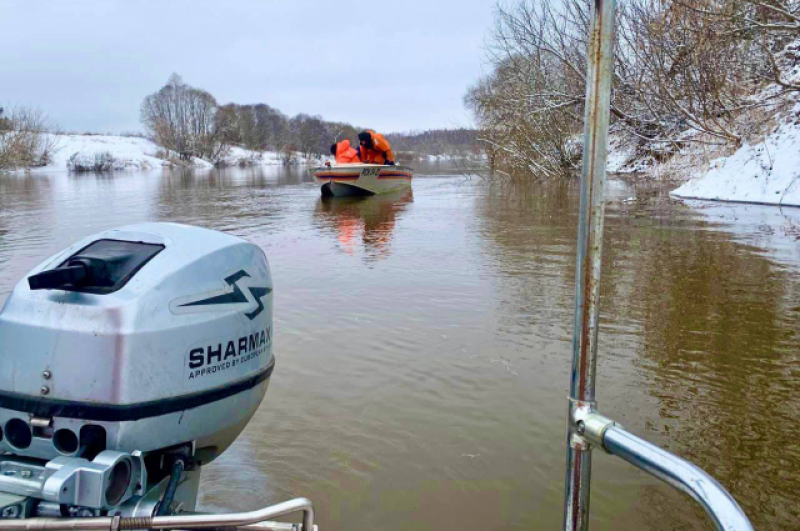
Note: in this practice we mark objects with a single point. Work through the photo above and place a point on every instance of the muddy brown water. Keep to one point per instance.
(423, 343)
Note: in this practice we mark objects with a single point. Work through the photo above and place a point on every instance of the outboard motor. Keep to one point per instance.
(127, 362)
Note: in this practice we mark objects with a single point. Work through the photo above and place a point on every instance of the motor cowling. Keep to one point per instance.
(135, 340)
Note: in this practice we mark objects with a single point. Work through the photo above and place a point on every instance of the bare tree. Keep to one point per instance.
(684, 72)
(529, 108)
(311, 135)
(688, 75)
(257, 127)
(24, 138)
(185, 120)
(770, 24)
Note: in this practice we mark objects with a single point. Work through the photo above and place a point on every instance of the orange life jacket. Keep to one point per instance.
(380, 152)
(345, 154)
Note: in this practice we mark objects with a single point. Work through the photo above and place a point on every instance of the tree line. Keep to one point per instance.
(459, 141)
(260, 127)
(685, 72)
(189, 122)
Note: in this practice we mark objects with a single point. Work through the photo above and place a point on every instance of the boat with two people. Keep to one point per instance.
(342, 180)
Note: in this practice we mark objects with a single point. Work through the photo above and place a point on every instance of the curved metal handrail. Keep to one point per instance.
(681, 474)
(204, 521)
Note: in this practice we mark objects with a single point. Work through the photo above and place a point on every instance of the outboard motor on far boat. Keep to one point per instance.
(127, 362)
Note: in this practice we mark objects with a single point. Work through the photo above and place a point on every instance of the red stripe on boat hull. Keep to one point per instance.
(339, 177)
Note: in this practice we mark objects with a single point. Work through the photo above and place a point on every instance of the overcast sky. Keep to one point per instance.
(394, 65)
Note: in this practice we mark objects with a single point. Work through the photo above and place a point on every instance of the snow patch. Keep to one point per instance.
(619, 154)
(109, 152)
(102, 153)
(452, 157)
(766, 172)
(238, 156)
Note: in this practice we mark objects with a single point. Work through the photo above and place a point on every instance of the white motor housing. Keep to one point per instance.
(152, 335)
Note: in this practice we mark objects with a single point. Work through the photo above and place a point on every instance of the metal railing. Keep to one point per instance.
(586, 427)
(247, 521)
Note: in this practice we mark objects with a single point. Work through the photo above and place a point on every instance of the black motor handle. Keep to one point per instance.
(74, 274)
(79, 271)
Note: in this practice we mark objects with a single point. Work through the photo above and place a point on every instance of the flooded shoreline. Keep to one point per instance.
(423, 342)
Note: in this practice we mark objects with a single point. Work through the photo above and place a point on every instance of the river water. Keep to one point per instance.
(423, 343)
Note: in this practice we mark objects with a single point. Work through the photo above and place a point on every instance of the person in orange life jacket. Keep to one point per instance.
(375, 149)
(344, 153)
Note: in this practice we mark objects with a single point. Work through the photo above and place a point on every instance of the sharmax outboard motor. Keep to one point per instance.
(127, 362)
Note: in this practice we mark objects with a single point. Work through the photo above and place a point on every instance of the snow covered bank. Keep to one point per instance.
(85, 152)
(403, 157)
(451, 157)
(107, 152)
(237, 156)
(767, 172)
(764, 169)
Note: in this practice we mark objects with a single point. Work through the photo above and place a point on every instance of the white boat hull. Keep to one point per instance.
(361, 179)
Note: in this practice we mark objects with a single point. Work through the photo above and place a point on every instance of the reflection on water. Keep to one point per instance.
(423, 342)
(694, 323)
(363, 222)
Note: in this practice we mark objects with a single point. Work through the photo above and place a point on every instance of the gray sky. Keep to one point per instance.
(394, 65)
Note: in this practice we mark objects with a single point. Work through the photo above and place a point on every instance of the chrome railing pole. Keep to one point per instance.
(590, 240)
(586, 427)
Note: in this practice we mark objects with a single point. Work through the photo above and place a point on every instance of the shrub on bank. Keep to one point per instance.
(24, 140)
(103, 161)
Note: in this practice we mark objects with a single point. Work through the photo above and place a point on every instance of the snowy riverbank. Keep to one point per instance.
(766, 172)
(765, 168)
(74, 152)
(108, 152)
